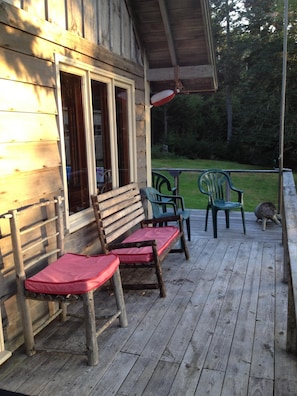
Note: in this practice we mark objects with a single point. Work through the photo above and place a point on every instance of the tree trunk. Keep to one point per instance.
(229, 110)
(227, 77)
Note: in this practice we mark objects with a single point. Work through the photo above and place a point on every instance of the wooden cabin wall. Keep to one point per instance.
(103, 22)
(30, 34)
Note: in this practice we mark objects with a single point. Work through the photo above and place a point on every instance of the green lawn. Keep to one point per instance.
(257, 187)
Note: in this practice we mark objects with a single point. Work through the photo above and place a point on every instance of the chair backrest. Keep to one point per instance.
(37, 233)
(162, 183)
(215, 183)
(117, 212)
(153, 196)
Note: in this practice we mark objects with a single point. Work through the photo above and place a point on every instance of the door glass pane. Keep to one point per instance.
(75, 143)
(121, 99)
(101, 135)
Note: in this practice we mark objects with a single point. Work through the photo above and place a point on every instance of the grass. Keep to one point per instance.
(257, 187)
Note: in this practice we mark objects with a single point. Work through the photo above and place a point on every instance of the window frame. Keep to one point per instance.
(88, 73)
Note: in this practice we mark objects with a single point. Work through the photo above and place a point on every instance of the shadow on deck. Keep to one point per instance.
(220, 331)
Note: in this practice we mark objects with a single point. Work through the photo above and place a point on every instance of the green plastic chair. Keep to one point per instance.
(162, 183)
(217, 185)
(166, 205)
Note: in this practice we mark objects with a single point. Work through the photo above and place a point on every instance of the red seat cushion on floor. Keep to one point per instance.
(163, 236)
(73, 274)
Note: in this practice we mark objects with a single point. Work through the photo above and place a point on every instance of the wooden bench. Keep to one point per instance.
(137, 241)
(45, 273)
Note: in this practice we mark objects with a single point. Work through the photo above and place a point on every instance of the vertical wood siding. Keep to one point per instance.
(104, 22)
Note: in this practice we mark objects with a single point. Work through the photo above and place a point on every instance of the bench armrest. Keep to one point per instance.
(161, 220)
(165, 219)
(137, 244)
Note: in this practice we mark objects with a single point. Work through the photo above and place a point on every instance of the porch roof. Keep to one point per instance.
(178, 43)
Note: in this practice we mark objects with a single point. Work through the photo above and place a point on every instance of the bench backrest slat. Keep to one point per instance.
(123, 224)
(117, 212)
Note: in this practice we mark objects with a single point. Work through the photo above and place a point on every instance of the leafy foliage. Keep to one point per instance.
(241, 121)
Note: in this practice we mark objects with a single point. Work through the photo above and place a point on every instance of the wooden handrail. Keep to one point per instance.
(289, 223)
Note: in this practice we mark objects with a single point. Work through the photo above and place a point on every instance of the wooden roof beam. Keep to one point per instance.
(184, 73)
(168, 32)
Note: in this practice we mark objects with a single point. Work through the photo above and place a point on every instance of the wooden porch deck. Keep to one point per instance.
(221, 330)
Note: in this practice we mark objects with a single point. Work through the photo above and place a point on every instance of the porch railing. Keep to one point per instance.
(289, 225)
(176, 172)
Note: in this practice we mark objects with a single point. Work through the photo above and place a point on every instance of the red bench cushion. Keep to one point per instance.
(73, 274)
(163, 235)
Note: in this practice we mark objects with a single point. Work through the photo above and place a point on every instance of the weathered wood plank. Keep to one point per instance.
(36, 8)
(119, 368)
(23, 63)
(20, 188)
(127, 44)
(56, 13)
(260, 386)
(224, 332)
(263, 350)
(162, 378)
(115, 22)
(27, 99)
(22, 127)
(193, 281)
(238, 365)
(210, 382)
(74, 17)
(90, 23)
(104, 24)
(213, 296)
(290, 213)
(285, 363)
(38, 155)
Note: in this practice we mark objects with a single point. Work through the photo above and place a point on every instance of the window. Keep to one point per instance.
(122, 135)
(97, 129)
(75, 143)
(101, 135)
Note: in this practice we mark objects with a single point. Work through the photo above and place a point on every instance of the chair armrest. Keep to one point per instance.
(165, 204)
(167, 196)
(239, 192)
(179, 201)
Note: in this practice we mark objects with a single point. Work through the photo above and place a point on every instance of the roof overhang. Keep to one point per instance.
(177, 38)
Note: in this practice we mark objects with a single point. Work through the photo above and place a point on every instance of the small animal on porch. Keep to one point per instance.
(267, 211)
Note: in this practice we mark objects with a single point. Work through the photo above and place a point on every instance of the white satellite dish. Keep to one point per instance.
(162, 97)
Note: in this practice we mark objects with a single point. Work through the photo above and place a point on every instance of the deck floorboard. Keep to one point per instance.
(221, 330)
